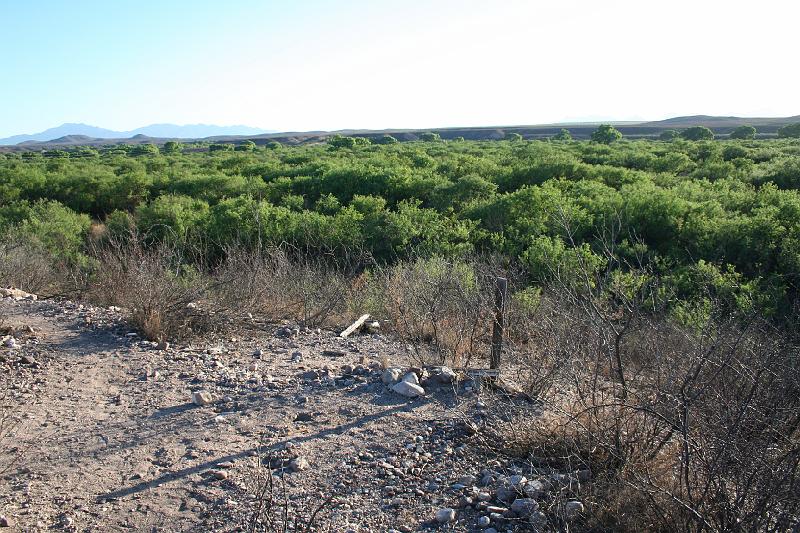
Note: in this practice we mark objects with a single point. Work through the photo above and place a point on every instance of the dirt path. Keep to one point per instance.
(112, 441)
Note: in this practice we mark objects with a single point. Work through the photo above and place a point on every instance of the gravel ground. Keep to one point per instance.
(109, 438)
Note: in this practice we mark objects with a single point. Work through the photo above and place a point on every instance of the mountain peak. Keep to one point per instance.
(160, 131)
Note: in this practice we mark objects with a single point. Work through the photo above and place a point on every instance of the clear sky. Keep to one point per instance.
(334, 64)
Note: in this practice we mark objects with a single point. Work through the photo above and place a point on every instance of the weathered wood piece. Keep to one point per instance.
(354, 326)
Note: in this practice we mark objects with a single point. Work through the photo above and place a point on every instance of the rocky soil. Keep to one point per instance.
(104, 431)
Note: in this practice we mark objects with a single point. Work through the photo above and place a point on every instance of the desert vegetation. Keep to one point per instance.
(653, 303)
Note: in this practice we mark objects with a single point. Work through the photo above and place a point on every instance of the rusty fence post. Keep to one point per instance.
(500, 289)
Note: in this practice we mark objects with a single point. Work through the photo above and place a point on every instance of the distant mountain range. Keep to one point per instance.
(161, 131)
(70, 135)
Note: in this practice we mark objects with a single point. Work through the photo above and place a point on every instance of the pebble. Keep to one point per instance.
(524, 507)
(298, 463)
(445, 515)
(572, 509)
(220, 474)
(202, 398)
(484, 521)
(5, 521)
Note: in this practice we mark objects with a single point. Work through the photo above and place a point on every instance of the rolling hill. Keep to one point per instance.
(83, 135)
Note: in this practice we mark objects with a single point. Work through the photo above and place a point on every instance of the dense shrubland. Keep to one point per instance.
(718, 216)
(654, 285)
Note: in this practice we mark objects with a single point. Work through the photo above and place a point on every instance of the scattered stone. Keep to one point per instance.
(220, 474)
(303, 417)
(412, 378)
(445, 515)
(202, 398)
(391, 375)
(409, 390)
(28, 360)
(298, 463)
(524, 507)
(572, 509)
(10, 342)
(16, 294)
(162, 346)
(535, 489)
(467, 480)
(442, 375)
(333, 353)
(483, 521)
(5, 521)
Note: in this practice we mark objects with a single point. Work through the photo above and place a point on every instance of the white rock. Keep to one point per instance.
(484, 521)
(446, 515)
(409, 390)
(298, 463)
(412, 378)
(390, 375)
(202, 398)
(16, 294)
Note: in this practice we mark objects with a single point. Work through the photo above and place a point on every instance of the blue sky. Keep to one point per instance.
(319, 64)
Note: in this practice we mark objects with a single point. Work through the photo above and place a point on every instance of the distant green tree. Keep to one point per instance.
(563, 135)
(173, 147)
(669, 135)
(458, 139)
(386, 139)
(697, 133)
(56, 154)
(790, 131)
(144, 149)
(83, 152)
(606, 134)
(744, 132)
(511, 136)
(342, 141)
(246, 146)
(430, 136)
(273, 145)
